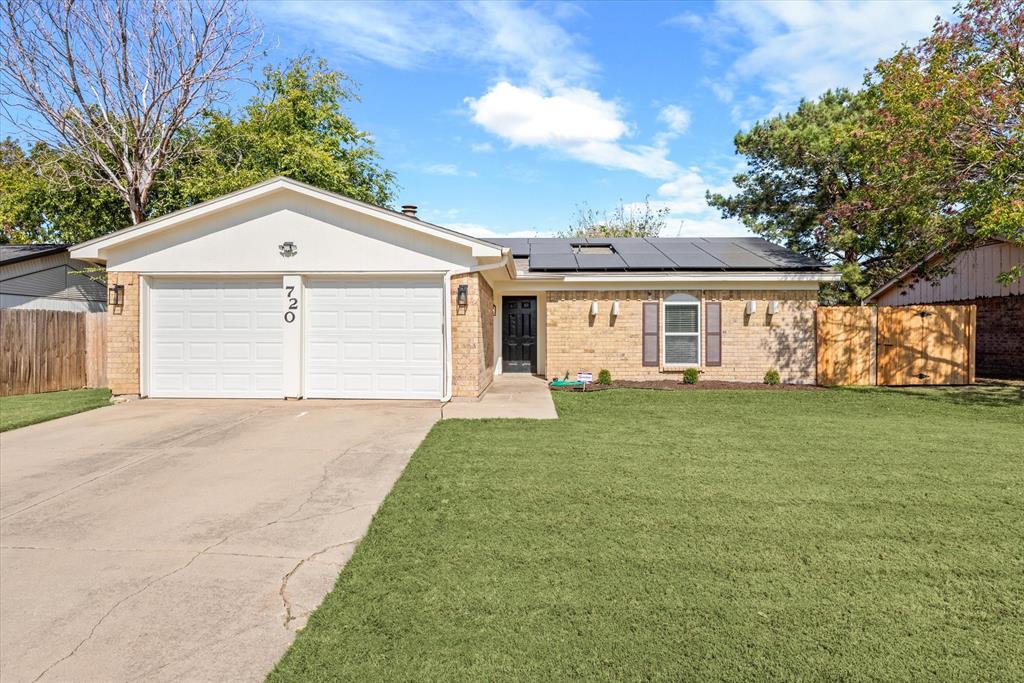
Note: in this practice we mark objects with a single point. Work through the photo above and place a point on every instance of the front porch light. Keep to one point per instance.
(115, 295)
(462, 295)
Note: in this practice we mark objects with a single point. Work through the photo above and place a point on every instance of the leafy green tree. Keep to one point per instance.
(43, 201)
(623, 221)
(947, 153)
(801, 166)
(294, 126)
(927, 159)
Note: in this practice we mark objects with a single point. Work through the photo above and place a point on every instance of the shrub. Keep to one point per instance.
(772, 377)
(690, 376)
(604, 377)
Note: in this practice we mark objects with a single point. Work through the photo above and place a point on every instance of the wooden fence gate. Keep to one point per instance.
(51, 351)
(926, 345)
(895, 345)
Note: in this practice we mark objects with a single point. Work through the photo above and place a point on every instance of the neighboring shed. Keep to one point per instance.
(44, 276)
(973, 279)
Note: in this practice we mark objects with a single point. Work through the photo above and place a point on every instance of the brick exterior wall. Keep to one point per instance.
(999, 338)
(750, 344)
(472, 336)
(123, 336)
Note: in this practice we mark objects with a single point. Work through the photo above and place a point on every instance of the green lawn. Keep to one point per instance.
(706, 535)
(19, 411)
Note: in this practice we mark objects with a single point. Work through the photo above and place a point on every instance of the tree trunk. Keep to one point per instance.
(135, 205)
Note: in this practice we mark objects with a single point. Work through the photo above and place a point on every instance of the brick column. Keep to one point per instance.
(472, 336)
(123, 336)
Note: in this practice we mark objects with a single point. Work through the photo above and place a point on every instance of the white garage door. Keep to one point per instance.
(216, 338)
(380, 339)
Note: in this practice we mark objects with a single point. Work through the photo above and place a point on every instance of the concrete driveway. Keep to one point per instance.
(185, 540)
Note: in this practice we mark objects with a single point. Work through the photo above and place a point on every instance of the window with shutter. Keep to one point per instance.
(713, 333)
(682, 330)
(650, 336)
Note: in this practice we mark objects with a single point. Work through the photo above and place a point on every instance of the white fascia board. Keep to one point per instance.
(92, 249)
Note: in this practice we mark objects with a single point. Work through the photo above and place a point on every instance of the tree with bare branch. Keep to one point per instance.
(111, 82)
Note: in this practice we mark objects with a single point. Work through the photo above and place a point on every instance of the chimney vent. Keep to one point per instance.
(409, 210)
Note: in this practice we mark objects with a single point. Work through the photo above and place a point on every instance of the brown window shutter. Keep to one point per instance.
(713, 333)
(651, 347)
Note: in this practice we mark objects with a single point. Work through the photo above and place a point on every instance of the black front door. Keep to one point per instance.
(519, 334)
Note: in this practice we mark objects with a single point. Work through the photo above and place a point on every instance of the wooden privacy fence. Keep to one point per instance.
(895, 345)
(51, 351)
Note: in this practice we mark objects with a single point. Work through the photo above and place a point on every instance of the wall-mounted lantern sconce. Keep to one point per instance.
(494, 311)
(115, 295)
(773, 307)
(462, 295)
(751, 308)
(593, 308)
(615, 309)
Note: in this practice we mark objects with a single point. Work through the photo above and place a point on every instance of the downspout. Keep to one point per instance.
(504, 262)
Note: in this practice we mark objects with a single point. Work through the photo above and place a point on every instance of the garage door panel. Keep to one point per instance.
(216, 338)
(356, 321)
(387, 339)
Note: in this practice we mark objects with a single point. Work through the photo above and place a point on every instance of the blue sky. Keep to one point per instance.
(501, 118)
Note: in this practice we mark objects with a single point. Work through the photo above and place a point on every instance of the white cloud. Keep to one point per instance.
(482, 147)
(676, 118)
(542, 96)
(689, 213)
(574, 121)
(408, 35)
(527, 116)
(798, 49)
(447, 169)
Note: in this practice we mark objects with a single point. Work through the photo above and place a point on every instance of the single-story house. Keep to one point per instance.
(285, 290)
(45, 276)
(972, 278)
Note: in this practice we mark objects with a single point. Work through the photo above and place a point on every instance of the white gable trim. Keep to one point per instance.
(91, 250)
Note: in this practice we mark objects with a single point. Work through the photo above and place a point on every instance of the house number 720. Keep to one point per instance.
(293, 305)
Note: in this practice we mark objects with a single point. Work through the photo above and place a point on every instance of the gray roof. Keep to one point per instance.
(631, 254)
(12, 253)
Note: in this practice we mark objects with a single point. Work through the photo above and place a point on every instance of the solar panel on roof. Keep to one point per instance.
(633, 246)
(736, 257)
(779, 256)
(552, 262)
(600, 262)
(653, 260)
(520, 246)
(550, 246)
(695, 261)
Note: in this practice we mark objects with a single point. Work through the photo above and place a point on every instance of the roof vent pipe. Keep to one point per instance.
(409, 210)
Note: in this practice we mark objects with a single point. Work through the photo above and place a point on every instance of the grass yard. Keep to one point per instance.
(20, 411)
(851, 534)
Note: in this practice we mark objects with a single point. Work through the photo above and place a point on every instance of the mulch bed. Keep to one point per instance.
(677, 385)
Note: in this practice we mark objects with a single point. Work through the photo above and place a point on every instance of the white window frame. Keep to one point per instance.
(680, 300)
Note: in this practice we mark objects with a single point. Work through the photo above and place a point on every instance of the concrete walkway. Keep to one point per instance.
(510, 395)
(166, 540)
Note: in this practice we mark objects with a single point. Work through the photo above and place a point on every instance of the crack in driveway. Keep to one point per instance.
(90, 643)
(283, 591)
(120, 602)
